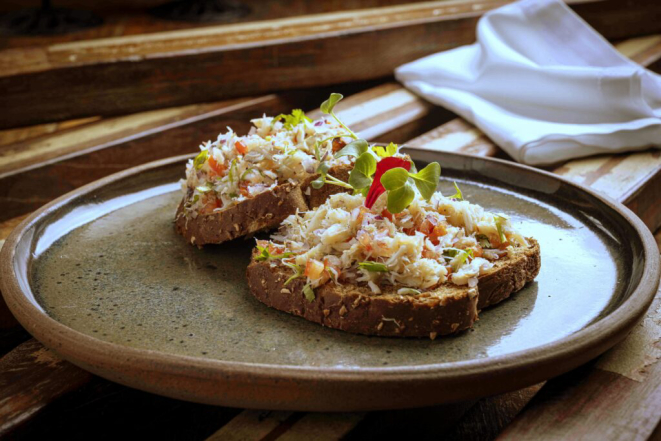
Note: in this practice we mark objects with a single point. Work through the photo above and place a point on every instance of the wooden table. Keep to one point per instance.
(617, 396)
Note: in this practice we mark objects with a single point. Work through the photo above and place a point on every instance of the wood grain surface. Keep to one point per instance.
(601, 399)
(41, 168)
(127, 74)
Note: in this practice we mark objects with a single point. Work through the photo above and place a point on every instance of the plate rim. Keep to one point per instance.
(566, 352)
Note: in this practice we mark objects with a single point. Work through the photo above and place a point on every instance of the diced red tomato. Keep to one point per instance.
(210, 204)
(314, 269)
(274, 249)
(243, 189)
(427, 225)
(438, 231)
(409, 231)
(388, 215)
(217, 169)
(241, 147)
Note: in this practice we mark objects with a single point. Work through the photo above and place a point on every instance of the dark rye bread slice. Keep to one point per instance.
(447, 309)
(509, 275)
(263, 212)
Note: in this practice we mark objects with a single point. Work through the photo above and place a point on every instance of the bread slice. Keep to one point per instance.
(265, 211)
(354, 308)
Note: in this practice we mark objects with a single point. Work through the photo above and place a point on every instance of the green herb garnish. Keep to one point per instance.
(364, 167)
(200, 159)
(458, 195)
(499, 219)
(308, 292)
(324, 177)
(203, 189)
(386, 152)
(354, 148)
(373, 266)
(298, 272)
(458, 256)
(297, 116)
(427, 179)
(327, 108)
(398, 182)
(265, 254)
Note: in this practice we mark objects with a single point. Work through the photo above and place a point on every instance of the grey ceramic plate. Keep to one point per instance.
(100, 276)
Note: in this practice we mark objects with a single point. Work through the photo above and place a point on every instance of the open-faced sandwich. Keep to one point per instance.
(395, 258)
(238, 185)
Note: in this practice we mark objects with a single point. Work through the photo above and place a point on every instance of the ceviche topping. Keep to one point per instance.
(285, 148)
(430, 241)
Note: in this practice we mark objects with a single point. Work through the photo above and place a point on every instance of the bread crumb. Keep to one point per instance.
(268, 215)
(433, 335)
(326, 312)
(343, 311)
(380, 326)
(454, 326)
(236, 227)
(280, 202)
(285, 291)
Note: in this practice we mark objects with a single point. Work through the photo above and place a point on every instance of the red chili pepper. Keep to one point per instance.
(376, 189)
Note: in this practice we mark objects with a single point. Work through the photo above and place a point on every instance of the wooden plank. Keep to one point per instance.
(31, 377)
(322, 426)
(403, 99)
(41, 169)
(71, 80)
(606, 401)
(7, 320)
(251, 425)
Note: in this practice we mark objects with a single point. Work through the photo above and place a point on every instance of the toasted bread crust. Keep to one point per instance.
(509, 276)
(353, 308)
(262, 212)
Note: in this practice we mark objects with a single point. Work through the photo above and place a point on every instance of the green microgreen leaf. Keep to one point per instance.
(389, 150)
(426, 180)
(364, 168)
(400, 198)
(354, 148)
(298, 272)
(203, 189)
(232, 172)
(200, 159)
(374, 267)
(318, 183)
(499, 219)
(394, 178)
(323, 168)
(297, 116)
(328, 105)
(308, 292)
(458, 195)
(265, 254)
(458, 256)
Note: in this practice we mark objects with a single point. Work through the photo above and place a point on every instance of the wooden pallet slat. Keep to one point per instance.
(464, 137)
(129, 74)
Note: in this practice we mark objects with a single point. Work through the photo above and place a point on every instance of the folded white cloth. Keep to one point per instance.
(543, 85)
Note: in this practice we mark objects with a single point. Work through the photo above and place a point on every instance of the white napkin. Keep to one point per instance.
(543, 85)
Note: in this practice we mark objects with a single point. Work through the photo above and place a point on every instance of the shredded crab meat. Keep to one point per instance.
(236, 168)
(427, 244)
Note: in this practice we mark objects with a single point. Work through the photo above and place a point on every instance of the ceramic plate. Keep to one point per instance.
(101, 277)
